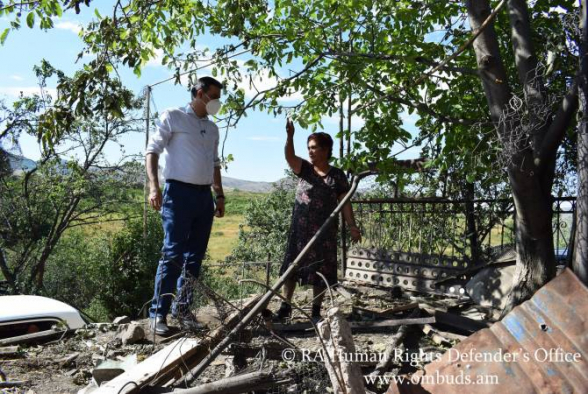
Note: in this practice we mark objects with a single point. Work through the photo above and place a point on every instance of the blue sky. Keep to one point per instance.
(256, 144)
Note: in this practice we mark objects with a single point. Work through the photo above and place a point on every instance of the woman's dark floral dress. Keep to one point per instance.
(316, 198)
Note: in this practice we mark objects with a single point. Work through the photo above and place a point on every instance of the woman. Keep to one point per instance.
(319, 191)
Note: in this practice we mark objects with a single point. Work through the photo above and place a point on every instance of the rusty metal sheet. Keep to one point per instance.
(540, 347)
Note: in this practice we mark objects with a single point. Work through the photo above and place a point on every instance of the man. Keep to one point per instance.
(190, 140)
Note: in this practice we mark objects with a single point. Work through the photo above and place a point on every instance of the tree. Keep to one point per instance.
(580, 263)
(385, 59)
(72, 184)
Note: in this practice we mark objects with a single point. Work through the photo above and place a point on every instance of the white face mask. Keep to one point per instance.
(212, 106)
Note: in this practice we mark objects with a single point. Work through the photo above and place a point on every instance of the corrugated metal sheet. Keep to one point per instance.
(547, 336)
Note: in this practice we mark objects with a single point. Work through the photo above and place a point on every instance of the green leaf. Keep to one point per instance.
(137, 71)
(4, 35)
(58, 10)
(31, 19)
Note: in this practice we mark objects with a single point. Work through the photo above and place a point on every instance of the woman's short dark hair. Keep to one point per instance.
(323, 140)
(205, 83)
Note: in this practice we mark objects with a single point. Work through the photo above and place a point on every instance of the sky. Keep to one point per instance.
(257, 143)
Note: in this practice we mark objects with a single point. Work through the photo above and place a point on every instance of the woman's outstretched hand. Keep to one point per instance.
(289, 127)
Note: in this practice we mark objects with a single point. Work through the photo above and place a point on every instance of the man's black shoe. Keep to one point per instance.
(285, 312)
(188, 322)
(159, 326)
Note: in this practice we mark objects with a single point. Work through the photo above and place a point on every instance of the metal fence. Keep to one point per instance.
(466, 230)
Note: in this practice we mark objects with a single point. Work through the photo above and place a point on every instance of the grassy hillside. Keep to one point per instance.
(225, 231)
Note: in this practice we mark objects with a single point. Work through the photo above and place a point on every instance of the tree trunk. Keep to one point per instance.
(580, 259)
(534, 239)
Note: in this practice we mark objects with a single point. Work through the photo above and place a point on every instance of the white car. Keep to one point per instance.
(27, 314)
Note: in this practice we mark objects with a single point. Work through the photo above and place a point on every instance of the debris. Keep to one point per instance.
(162, 367)
(449, 336)
(121, 320)
(461, 323)
(85, 333)
(133, 333)
(345, 376)
(12, 384)
(10, 351)
(161, 363)
(386, 312)
(490, 287)
(215, 337)
(370, 326)
(356, 326)
(341, 290)
(240, 384)
(38, 337)
(541, 346)
(435, 337)
(67, 361)
(384, 365)
(110, 369)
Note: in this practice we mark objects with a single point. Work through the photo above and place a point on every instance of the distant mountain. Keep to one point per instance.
(248, 186)
(19, 164)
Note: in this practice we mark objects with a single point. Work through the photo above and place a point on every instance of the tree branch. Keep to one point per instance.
(527, 65)
(418, 59)
(420, 106)
(558, 127)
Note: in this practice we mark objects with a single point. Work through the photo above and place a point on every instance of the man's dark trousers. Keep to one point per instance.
(187, 213)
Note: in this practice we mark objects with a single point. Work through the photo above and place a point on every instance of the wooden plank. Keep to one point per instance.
(161, 362)
(356, 326)
(10, 351)
(387, 312)
(461, 323)
(37, 337)
(346, 376)
(239, 384)
(366, 326)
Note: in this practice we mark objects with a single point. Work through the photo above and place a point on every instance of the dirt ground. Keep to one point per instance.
(65, 366)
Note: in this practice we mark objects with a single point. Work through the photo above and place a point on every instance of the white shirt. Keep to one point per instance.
(191, 145)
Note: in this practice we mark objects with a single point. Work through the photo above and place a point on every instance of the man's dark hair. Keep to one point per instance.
(323, 140)
(205, 83)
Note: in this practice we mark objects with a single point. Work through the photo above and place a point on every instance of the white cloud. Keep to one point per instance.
(17, 77)
(252, 84)
(263, 138)
(262, 82)
(155, 61)
(71, 26)
(15, 91)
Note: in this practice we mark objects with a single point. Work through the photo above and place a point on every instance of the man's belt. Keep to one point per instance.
(190, 185)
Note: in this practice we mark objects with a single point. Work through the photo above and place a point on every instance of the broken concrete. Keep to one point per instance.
(489, 287)
(131, 334)
(110, 369)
